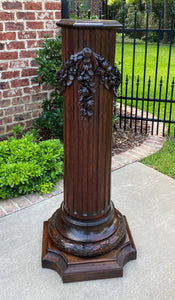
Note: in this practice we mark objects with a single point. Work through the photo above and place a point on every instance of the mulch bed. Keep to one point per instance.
(122, 140)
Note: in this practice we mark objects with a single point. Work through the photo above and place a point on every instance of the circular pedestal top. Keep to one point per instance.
(88, 23)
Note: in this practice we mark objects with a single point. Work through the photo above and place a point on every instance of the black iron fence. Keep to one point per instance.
(150, 97)
(145, 99)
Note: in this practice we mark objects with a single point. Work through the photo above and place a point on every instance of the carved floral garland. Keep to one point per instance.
(84, 65)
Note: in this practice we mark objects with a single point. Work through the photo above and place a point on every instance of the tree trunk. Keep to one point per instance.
(139, 5)
(165, 36)
(151, 5)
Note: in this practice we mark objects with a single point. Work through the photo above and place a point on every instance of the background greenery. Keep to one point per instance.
(155, 6)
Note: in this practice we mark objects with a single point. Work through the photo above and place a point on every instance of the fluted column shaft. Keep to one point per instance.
(87, 143)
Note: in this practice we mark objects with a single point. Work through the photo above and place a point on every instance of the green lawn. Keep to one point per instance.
(150, 71)
(163, 160)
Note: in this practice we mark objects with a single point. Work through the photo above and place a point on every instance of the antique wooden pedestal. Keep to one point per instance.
(87, 238)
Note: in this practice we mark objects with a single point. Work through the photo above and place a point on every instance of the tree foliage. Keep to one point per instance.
(155, 6)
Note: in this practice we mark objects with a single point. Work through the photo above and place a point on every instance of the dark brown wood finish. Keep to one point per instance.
(72, 268)
(87, 224)
(88, 166)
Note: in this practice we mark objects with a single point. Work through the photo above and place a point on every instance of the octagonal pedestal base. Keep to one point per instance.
(73, 268)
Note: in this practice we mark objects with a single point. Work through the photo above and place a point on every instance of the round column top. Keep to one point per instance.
(83, 23)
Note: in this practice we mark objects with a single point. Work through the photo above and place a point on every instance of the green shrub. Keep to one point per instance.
(49, 61)
(27, 166)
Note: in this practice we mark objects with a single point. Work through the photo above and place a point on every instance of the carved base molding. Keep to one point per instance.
(73, 268)
(87, 238)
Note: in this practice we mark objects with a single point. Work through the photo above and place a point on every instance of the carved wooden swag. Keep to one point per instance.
(83, 66)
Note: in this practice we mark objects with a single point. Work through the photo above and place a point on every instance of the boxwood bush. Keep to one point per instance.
(27, 166)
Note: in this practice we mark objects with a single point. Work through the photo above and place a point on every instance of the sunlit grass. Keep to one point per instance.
(162, 71)
(163, 160)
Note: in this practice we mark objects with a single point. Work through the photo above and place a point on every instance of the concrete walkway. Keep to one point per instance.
(149, 146)
(146, 197)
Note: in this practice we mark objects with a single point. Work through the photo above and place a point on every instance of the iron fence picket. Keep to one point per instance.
(133, 65)
(137, 91)
(126, 93)
(147, 107)
(78, 10)
(64, 9)
(158, 113)
(171, 104)
(145, 61)
(100, 11)
(156, 70)
(168, 70)
(89, 14)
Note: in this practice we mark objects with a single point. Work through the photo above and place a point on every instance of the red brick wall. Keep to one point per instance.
(22, 27)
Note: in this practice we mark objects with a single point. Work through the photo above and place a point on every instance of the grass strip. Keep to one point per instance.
(163, 160)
